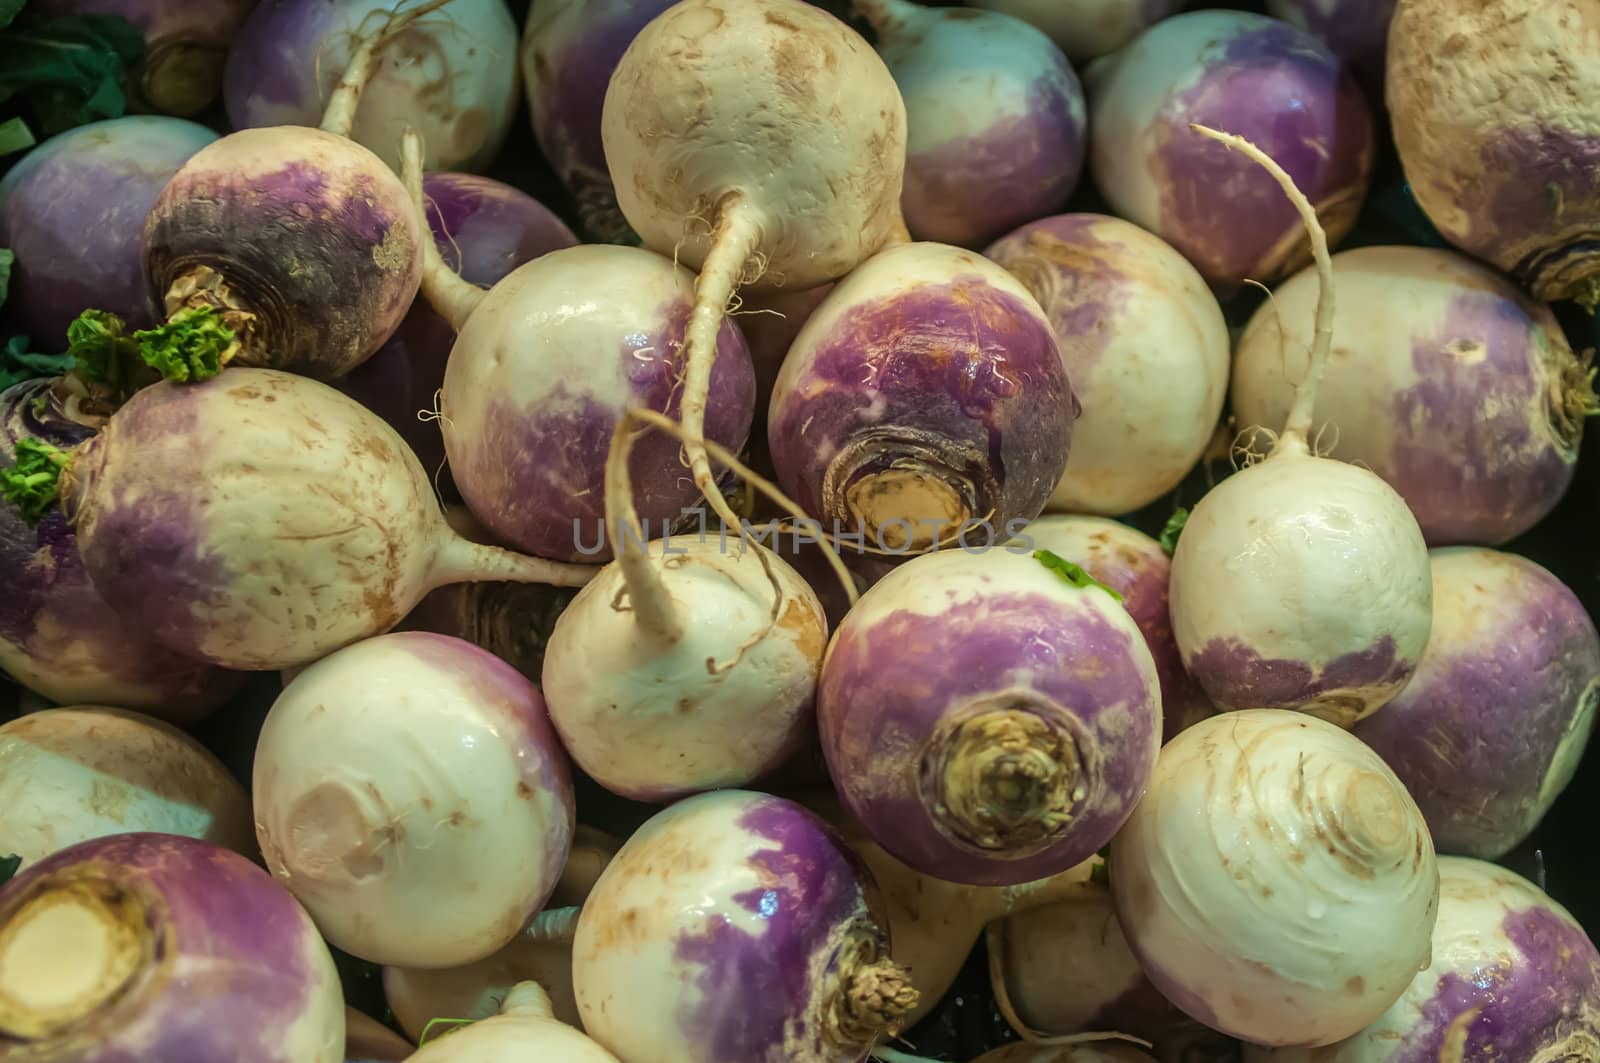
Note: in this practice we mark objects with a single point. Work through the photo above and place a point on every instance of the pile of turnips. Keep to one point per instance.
(848, 530)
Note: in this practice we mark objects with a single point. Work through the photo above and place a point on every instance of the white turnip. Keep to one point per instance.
(81, 773)
(1086, 29)
(1256, 77)
(763, 143)
(1490, 730)
(925, 402)
(1277, 883)
(1301, 582)
(989, 717)
(393, 771)
(1495, 125)
(737, 926)
(1446, 380)
(104, 948)
(524, 1029)
(1145, 345)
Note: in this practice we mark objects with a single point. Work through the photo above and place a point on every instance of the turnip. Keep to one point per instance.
(540, 375)
(1513, 976)
(1086, 29)
(368, 1041)
(694, 672)
(1257, 77)
(1145, 345)
(570, 48)
(924, 402)
(525, 1029)
(737, 926)
(1447, 381)
(995, 119)
(1356, 30)
(392, 772)
(81, 773)
(1490, 730)
(58, 636)
(1493, 119)
(761, 142)
(186, 43)
(990, 718)
(1301, 582)
(159, 947)
(1137, 568)
(483, 229)
(1277, 883)
(260, 520)
(452, 75)
(73, 211)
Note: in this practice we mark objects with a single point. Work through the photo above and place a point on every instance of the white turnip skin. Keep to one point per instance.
(1277, 882)
(525, 1029)
(1446, 380)
(1302, 582)
(570, 49)
(1494, 120)
(366, 1040)
(924, 400)
(996, 120)
(261, 520)
(1145, 345)
(1086, 29)
(762, 143)
(986, 720)
(735, 927)
(176, 950)
(1513, 976)
(395, 771)
(1356, 30)
(1490, 730)
(451, 74)
(1245, 74)
(87, 772)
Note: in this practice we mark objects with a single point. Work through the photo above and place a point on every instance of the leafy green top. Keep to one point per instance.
(1073, 574)
(17, 363)
(1173, 529)
(32, 483)
(8, 867)
(64, 72)
(194, 344)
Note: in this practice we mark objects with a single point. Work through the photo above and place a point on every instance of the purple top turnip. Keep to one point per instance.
(452, 75)
(995, 119)
(186, 44)
(73, 211)
(392, 772)
(989, 717)
(1495, 124)
(1146, 347)
(761, 143)
(570, 48)
(1513, 976)
(1086, 29)
(1357, 31)
(178, 951)
(734, 927)
(1447, 381)
(1490, 730)
(1246, 74)
(925, 400)
(58, 635)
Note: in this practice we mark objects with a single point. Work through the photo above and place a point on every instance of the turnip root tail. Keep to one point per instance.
(462, 561)
(554, 924)
(734, 242)
(1297, 428)
(648, 595)
(528, 999)
(454, 298)
(340, 116)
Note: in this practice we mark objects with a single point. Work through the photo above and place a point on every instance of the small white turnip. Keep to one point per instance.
(524, 1029)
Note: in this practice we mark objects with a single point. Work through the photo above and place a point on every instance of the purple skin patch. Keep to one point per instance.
(1465, 457)
(972, 189)
(73, 210)
(1357, 31)
(57, 635)
(300, 255)
(225, 925)
(756, 991)
(887, 688)
(1538, 180)
(537, 475)
(1515, 1009)
(1474, 733)
(257, 77)
(1237, 677)
(964, 364)
(484, 230)
(1283, 91)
